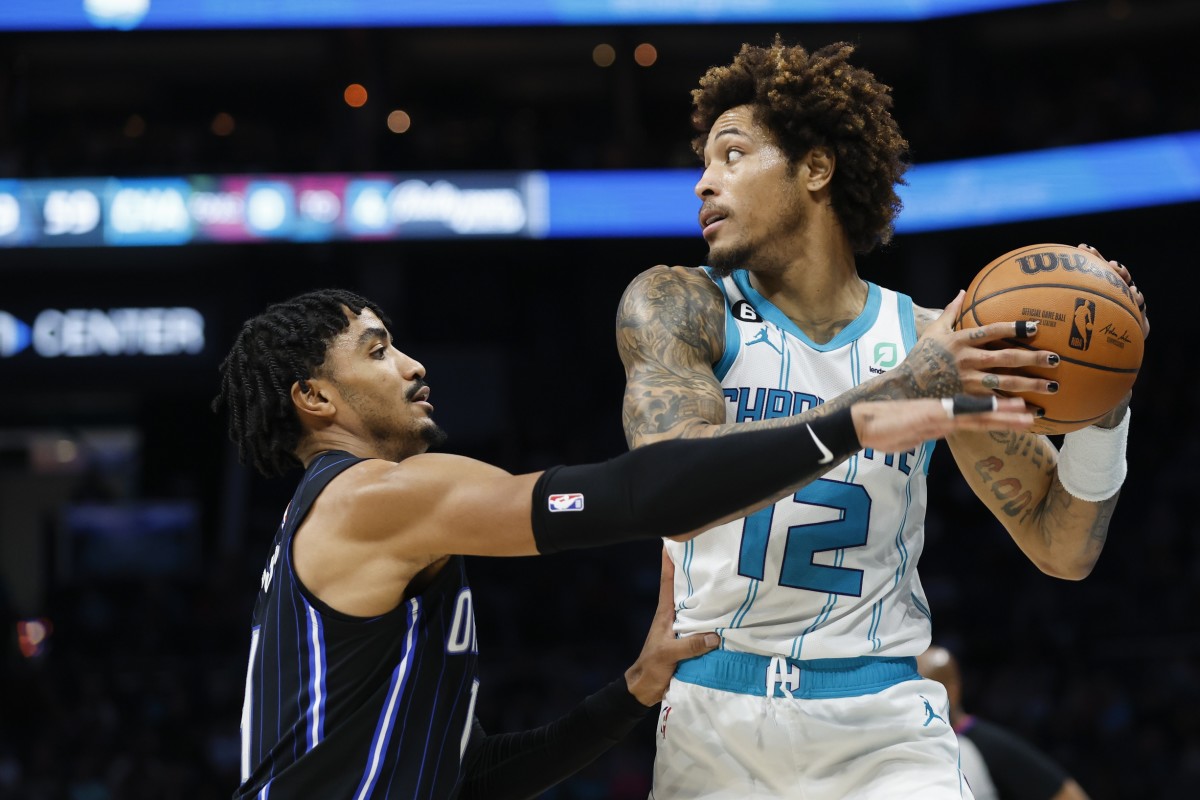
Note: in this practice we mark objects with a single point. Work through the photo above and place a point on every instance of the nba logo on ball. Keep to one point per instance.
(1081, 324)
(566, 502)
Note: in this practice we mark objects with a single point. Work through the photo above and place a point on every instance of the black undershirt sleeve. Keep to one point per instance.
(1018, 769)
(513, 766)
(678, 486)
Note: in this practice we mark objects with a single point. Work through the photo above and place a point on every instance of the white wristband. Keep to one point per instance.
(1091, 463)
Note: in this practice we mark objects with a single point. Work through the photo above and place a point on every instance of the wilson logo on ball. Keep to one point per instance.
(1033, 263)
(1081, 324)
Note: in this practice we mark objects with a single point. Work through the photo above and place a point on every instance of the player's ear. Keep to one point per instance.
(312, 398)
(820, 162)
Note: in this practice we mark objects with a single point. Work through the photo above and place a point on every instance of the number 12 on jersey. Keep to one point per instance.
(804, 541)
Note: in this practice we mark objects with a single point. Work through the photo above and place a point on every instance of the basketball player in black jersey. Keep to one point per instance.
(362, 673)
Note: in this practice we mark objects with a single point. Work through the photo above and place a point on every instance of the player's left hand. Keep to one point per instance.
(1134, 291)
(650, 675)
(893, 426)
(1114, 417)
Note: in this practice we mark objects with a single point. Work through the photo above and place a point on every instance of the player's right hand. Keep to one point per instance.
(648, 678)
(946, 362)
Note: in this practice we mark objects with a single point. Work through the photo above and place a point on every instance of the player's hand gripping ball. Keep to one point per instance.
(1086, 314)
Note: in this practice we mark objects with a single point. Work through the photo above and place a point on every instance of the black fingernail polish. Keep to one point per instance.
(1052, 386)
(1052, 360)
(1039, 412)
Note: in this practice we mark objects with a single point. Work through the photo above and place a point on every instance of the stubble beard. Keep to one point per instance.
(418, 436)
(418, 439)
(756, 256)
(433, 435)
(725, 261)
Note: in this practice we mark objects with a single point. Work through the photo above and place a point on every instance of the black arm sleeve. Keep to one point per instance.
(674, 487)
(513, 766)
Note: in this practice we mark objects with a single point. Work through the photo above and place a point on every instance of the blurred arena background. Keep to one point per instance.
(494, 175)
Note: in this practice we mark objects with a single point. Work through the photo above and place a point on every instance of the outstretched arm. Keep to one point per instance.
(670, 332)
(436, 504)
(523, 765)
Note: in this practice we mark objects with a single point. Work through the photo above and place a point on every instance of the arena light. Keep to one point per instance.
(270, 14)
(197, 209)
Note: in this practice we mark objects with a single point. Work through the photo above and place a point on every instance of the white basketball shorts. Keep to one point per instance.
(735, 726)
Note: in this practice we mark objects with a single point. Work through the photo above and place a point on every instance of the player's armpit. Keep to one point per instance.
(670, 331)
(1070, 791)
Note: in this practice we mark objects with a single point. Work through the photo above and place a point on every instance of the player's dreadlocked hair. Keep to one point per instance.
(284, 344)
(818, 99)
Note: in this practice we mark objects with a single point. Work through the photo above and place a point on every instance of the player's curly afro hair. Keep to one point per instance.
(284, 344)
(818, 99)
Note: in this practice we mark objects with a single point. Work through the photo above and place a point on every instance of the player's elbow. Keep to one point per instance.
(1067, 569)
(687, 429)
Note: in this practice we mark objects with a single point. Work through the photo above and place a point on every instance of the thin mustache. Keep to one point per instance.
(416, 387)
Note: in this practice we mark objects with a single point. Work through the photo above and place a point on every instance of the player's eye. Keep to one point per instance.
(379, 353)
(733, 154)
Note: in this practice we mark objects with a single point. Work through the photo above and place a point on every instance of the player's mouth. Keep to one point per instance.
(710, 220)
(421, 397)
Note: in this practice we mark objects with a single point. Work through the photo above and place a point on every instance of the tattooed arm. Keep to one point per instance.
(1016, 476)
(670, 332)
(1014, 473)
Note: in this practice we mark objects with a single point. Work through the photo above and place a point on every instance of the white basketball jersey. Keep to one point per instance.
(831, 571)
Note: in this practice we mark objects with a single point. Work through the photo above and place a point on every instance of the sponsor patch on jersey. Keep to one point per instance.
(566, 502)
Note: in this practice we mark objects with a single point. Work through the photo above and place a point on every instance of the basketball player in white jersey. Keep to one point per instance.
(814, 692)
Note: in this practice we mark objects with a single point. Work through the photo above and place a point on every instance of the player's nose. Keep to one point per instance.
(707, 185)
(410, 368)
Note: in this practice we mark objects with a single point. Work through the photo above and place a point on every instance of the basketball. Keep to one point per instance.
(1085, 314)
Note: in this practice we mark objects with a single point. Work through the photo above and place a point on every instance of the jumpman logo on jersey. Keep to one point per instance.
(929, 710)
(764, 337)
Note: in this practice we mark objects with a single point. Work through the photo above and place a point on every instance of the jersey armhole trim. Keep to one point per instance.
(733, 336)
(908, 320)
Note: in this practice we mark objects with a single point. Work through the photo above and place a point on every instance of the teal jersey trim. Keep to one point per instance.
(733, 336)
(908, 320)
(768, 311)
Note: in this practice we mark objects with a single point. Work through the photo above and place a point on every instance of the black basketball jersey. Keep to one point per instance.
(355, 707)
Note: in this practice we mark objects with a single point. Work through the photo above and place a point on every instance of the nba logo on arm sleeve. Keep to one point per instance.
(566, 502)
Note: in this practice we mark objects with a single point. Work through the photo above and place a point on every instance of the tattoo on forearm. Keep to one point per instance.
(1065, 512)
(1026, 445)
(1018, 501)
(1098, 535)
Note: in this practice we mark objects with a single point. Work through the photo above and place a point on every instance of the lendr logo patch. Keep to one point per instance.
(14, 335)
(566, 502)
(885, 354)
